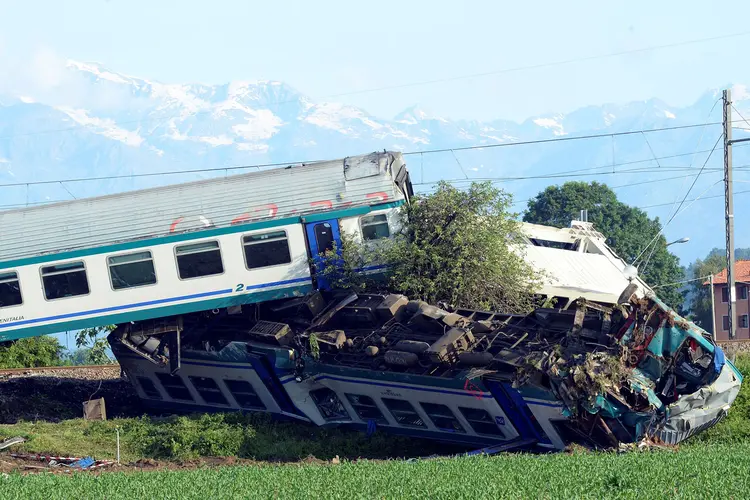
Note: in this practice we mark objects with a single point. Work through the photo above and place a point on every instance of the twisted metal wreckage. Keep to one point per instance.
(590, 374)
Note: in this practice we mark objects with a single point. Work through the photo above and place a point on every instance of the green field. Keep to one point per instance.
(706, 471)
(713, 464)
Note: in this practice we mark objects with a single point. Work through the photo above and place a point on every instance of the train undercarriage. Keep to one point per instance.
(590, 374)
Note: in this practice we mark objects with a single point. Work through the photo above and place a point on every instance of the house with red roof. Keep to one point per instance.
(742, 307)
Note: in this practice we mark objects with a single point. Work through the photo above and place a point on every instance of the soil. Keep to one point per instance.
(9, 464)
(54, 395)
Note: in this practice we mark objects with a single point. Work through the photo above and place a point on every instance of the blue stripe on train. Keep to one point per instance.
(149, 303)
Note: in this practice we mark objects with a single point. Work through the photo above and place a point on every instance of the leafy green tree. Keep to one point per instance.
(699, 294)
(92, 347)
(454, 246)
(628, 230)
(31, 352)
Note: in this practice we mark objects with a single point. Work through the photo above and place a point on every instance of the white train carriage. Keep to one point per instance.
(188, 247)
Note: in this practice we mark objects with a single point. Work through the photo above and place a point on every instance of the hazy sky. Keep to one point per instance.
(327, 48)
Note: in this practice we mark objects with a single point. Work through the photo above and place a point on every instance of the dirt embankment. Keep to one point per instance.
(53, 395)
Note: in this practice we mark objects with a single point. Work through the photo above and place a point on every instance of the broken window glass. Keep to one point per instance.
(481, 421)
(375, 227)
(329, 404)
(743, 321)
(742, 292)
(128, 271)
(403, 412)
(10, 290)
(442, 417)
(366, 408)
(65, 280)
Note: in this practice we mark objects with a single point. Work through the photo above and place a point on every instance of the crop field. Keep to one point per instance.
(179, 457)
(715, 471)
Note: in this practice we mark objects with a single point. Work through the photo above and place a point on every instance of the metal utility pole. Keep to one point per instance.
(729, 208)
(713, 309)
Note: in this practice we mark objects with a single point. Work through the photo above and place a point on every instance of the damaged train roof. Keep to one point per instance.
(577, 262)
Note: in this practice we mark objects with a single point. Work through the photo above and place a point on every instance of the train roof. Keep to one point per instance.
(276, 193)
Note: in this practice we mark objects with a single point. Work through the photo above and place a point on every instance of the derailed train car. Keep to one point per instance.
(219, 308)
(590, 374)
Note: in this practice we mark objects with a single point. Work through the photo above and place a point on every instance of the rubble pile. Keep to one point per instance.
(620, 371)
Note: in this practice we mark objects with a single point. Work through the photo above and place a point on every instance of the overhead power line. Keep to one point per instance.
(558, 139)
(308, 162)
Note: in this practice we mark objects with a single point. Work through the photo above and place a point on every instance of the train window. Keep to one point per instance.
(244, 394)
(10, 290)
(374, 227)
(174, 386)
(442, 417)
(199, 259)
(149, 388)
(65, 280)
(209, 390)
(481, 421)
(128, 271)
(403, 412)
(324, 237)
(268, 249)
(329, 404)
(366, 408)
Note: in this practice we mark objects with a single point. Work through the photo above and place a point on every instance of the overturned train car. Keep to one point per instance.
(588, 374)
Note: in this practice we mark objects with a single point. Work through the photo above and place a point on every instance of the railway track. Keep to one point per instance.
(23, 371)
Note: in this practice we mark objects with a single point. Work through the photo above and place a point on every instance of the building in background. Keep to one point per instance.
(721, 302)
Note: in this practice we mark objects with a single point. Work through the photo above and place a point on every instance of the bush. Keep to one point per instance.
(31, 352)
(454, 246)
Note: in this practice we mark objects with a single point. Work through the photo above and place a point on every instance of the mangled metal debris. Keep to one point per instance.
(588, 374)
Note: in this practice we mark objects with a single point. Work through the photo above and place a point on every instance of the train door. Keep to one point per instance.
(322, 235)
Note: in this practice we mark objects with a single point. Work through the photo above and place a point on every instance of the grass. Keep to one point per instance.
(716, 471)
(182, 438)
(714, 463)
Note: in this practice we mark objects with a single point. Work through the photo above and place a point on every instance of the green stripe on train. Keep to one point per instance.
(208, 233)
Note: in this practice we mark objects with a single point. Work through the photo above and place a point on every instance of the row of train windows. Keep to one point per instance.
(405, 414)
(137, 269)
(402, 411)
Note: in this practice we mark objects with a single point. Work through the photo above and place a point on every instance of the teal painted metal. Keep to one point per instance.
(157, 312)
(208, 233)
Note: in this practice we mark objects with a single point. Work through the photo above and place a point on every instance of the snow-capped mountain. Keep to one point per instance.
(95, 122)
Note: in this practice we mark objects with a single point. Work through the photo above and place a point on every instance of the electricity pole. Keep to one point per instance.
(729, 208)
(713, 310)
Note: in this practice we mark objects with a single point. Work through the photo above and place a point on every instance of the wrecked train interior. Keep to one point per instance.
(589, 374)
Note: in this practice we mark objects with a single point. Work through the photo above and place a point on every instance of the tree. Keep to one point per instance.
(699, 294)
(628, 231)
(92, 350)
(31, 352)
(453, 246)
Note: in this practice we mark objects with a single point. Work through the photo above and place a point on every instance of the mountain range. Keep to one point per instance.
(95, 122)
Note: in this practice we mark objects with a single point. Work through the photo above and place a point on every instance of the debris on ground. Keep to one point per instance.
(62, 463)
